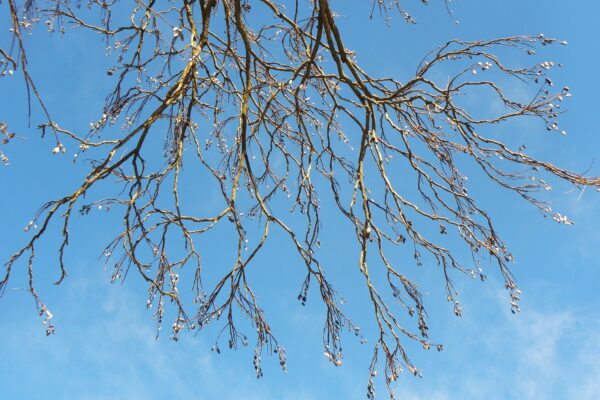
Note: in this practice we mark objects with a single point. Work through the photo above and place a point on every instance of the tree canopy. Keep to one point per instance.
(265, 104)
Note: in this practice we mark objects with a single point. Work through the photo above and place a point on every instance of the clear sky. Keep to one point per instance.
(104, 347)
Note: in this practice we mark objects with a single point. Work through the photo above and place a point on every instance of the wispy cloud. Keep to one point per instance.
(539, 354)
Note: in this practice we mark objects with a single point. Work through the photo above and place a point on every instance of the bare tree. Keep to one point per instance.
(282, 117)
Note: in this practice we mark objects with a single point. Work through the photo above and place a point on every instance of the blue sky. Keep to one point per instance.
(104, 347)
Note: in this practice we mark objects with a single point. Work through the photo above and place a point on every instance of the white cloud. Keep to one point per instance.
(541, 353)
